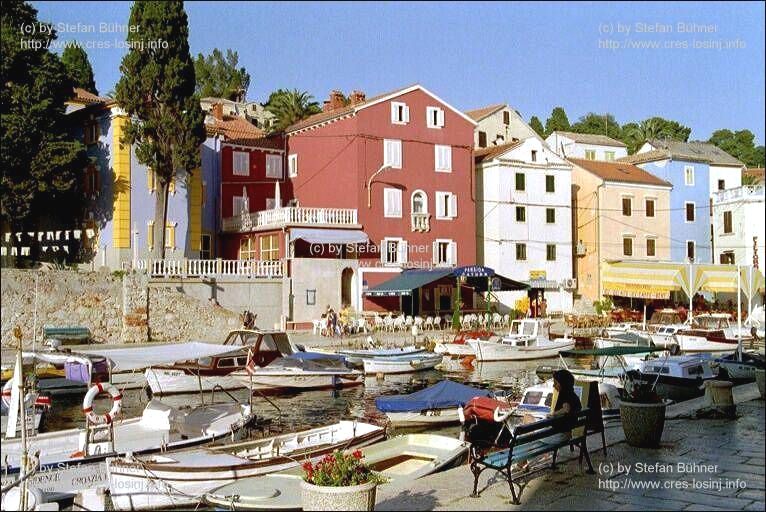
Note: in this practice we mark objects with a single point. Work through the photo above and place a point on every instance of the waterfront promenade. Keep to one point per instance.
(710, 451)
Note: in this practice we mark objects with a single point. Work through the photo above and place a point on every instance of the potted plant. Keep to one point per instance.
(642, 412)
(339, 481)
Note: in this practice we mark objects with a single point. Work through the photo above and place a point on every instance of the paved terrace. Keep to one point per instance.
(733, 451)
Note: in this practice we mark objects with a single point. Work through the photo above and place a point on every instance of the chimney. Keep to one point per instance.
(356, 97)
(336, 100)
(218, 111)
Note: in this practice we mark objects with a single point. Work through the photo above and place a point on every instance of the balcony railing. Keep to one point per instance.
(734, 194)
(210, 268)
(420, 222)
(278, 217)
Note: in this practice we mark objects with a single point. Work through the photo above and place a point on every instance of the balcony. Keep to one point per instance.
(421, 222)
(744, 193)
(292, 216)
(210, 268)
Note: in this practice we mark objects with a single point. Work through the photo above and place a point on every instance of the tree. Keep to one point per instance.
(557, 122)
(289, 107)
(537, 126)
(739, 144)
(41, 164)
(218, 76)
(165, 123)
(598, 124)
(635, 134)
(78, 68)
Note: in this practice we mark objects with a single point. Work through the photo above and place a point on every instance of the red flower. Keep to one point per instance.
(357, 454)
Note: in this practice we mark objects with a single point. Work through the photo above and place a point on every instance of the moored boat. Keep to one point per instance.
(299, 373)
(676, 378)
(400, 459)
(740, 369)
(182, 478)
(524, 342)
(434, 405)
(356, 357)
(401, 364)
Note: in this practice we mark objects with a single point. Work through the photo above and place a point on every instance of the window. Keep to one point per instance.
(521, 214)
(690, 249)
(650, 207)
(274, 166)
(520, 181)
(627, 206)
(392, 153)
(400, 113)
(482, 139)
(269, 247)
(534, 155)
(651, 247)
(247, 248)
(392, 202)
(689, 175)
(205, 249)
(721, 184)
(444, 252)
(550, 252)
(521, 252)
(292, 166)
(590, 154)
(434, 117)
(240, 163)
(627, 246)
(419, 202)
(690, 211)
(150, 234)
(727, 222)
(239, 204)
(550, 215)
(550, 184)
(446, 205)
(506, 118)
(311, 297)
(204, 192)
(443, 158)
(151, 179)
(91, 132)
(92, 184)
(393, 251)
(170, 235)
(271, 203)
(727, 258)
(609, 156)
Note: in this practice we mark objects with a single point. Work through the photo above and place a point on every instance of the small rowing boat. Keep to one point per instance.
(401, 364)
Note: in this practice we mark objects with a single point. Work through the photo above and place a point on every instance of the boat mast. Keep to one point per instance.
(18, 375)
(739, 315)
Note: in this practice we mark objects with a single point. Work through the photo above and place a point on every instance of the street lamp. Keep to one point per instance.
(369, 183)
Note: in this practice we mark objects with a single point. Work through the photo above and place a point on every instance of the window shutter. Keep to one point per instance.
(452, 256)
(435, 252)
(398, 153)
(448, 157)
(452, 206)
(440, 118)
(397, 202)
(402, 251)
(394, 112)
(406, 114)
(150, 234)
(383, 251)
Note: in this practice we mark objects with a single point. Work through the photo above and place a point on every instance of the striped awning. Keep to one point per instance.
(655, 280)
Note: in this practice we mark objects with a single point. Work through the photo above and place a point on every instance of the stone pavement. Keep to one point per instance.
(702, 464)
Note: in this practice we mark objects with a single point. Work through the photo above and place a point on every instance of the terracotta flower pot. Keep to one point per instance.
(354, 497)
(643, 423)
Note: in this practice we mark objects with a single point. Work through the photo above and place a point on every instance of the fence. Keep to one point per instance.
(203, 268)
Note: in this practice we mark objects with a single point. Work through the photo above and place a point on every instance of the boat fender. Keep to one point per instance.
(93, 392)
(77, 455)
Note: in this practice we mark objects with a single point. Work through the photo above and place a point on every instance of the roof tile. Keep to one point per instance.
(591, 138)
(619, 171)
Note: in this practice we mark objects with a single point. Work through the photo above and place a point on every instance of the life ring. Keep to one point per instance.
(93, 392)
(8, 390)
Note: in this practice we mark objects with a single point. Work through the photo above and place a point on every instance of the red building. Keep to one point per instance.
(403, 161)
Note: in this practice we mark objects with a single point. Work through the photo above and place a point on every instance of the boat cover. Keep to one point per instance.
(439, 396)
(126, 359)
(610, 351)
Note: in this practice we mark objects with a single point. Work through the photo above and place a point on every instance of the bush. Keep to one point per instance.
(340, 469)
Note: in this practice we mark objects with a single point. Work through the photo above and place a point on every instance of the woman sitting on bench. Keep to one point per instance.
(567, 404)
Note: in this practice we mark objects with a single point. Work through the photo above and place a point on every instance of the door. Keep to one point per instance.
(345, 286)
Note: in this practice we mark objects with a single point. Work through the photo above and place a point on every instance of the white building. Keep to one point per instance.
(725, 170)
(524, 219)
(586, 146)
(738, 225)
(250, 110)
(497, 125)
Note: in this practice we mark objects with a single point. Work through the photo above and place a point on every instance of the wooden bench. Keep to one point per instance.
(524, 442)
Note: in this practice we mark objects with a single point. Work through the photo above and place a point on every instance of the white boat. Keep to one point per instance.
(536, 400)
(663, 325)
(624, 339)
(623, 327)
(676, 378)
(400, 459)
(454, 349)
(293, 373)
(664, 336)
(401, 364)
(524, 342)
(182, 478)
(356, 357)
(691, 344)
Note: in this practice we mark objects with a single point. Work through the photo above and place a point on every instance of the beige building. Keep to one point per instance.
(497, 125)
(621, 212)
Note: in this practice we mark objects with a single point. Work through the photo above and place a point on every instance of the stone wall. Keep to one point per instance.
(113, 307)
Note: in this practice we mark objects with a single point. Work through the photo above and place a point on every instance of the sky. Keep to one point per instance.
(633, 60)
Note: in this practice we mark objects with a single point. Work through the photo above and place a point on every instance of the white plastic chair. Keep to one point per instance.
(429, 323)
(506, 320)
(317, 326)
(437, 323)
(497, 320)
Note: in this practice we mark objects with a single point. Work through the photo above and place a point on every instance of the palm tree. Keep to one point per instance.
(634, 135)
(289, 107)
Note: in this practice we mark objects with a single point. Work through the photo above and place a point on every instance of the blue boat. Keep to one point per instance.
(435, 405)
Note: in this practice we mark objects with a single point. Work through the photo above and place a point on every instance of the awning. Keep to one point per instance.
(476, 276)
(329, 236)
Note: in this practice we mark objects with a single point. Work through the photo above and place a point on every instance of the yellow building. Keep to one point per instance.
(620, 212)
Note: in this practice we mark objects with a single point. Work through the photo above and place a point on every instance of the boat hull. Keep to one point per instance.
(677, 389)
(492, 351)
(454, 349)
(404, 365)
(285, 381)
(167, 382)
(425, 417)
(696, 344)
